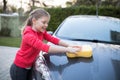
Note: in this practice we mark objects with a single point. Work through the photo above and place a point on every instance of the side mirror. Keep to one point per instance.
(50, 32)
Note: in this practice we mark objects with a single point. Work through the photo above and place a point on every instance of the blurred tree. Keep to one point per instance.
(33, 3)
(70, 3)
(115, 3)
(99, 2)
(87, 2)
(4, 6)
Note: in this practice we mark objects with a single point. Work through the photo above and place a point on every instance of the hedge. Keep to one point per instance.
(59, 14)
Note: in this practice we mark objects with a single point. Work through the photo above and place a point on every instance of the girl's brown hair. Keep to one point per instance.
(36, 14)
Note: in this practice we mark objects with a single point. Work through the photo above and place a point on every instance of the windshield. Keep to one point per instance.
(103, 29)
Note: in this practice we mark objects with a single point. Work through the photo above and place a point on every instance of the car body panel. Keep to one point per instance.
(103, 65)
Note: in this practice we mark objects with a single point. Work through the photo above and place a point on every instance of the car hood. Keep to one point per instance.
(103, 65)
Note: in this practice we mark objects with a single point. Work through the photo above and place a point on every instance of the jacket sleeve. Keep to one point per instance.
(33, 41)
(51, 38)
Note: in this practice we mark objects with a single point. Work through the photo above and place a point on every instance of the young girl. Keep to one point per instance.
(32, 37)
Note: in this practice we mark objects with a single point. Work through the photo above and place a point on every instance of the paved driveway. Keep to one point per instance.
(7, 55)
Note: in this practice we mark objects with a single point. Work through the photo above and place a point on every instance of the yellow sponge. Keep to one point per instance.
(86, 51)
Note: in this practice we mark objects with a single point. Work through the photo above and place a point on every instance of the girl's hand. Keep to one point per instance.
(73, 49)
(76, 46)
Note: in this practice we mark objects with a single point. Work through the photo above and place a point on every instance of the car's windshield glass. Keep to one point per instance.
(103, 29)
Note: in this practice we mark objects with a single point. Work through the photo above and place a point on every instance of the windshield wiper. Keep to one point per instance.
(94, 40)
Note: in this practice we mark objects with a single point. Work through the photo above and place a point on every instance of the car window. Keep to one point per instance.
(90, 29)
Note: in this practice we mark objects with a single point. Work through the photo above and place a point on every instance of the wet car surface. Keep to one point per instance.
(103, 35)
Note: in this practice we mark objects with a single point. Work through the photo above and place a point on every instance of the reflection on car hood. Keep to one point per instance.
(103, 65)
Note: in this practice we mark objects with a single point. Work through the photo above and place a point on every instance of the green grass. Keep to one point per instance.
(10, 41)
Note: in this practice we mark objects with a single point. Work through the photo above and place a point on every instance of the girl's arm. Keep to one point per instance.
(54, 40)
(60, 49)
(62, 43)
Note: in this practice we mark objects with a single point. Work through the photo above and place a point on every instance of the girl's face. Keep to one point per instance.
(41, 24)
